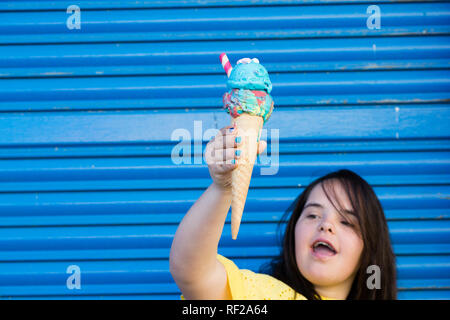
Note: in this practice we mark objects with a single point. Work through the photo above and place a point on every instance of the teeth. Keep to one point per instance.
(323, 243)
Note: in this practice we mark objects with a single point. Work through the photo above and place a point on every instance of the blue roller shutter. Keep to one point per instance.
(88, 118)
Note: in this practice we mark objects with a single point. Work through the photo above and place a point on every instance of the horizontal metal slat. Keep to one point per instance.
(185, 58)
(89, 4)
(427, 267)
(173, 184)
(160, 236)
(127, 70)
(423, 284)
(424, 295)
(165, 149)
(213, 102)
(324, 123)
(380, 166)
(86, 290)
(285, 86)
(142, 296)
(80, 205)
(222, 23)
(254, 251)
(158, 218)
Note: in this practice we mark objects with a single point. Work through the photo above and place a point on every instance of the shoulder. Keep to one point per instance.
(248, 285)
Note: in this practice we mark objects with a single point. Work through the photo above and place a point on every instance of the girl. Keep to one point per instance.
(337, 230)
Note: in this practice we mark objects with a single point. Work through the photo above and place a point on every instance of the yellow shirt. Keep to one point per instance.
(248, 285)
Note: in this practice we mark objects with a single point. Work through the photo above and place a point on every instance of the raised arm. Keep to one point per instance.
(193, 256)
(193, 262)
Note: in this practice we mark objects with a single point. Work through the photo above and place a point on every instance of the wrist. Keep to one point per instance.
(222, 189)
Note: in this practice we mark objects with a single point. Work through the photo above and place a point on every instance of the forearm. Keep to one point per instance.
(194, 248)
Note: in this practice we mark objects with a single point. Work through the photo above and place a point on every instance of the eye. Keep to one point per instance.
(311, 216)
(346, 223)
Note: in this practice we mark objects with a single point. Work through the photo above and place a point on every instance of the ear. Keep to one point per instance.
(262, 145)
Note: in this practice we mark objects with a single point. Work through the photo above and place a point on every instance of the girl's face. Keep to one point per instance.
(319, 221)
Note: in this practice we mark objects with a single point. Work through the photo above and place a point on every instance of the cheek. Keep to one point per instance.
(352, 246)
(303, 235)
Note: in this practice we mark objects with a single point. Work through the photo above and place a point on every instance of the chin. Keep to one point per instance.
(323, 280)
(318, 276)
(321, 274)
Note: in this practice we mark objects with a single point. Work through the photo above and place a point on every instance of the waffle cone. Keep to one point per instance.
(249, 129)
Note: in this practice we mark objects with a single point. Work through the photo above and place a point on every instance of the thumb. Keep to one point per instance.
(262, 145)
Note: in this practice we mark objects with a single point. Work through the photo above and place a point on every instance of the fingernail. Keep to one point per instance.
(231, 129)
(238, 139)
(233, 161)
(238, 152)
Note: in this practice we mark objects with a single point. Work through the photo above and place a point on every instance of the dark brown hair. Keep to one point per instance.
(372, 227)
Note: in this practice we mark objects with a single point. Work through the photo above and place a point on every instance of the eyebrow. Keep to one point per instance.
(318, 205)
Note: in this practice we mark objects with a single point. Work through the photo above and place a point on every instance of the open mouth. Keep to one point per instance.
(323, 248)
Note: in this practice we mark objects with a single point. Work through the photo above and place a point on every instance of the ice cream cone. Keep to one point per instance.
(249, 127)
(250, 105)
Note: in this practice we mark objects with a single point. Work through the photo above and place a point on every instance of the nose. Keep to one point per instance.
(326, 226)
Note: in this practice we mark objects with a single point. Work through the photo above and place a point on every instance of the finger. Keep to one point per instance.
(228, 141)
(226, 130)
(227, 165)
(225, 154)
(209, 153)
(215, 142)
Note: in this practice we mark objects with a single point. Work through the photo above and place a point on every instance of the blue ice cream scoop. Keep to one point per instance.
(249, 76)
